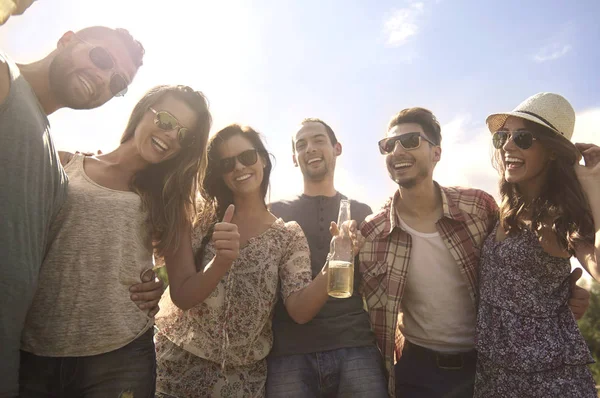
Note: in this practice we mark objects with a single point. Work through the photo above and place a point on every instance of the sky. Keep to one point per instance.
(269, 64)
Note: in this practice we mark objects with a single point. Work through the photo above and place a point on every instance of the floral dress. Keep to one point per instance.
(528, 342)
(218, 348)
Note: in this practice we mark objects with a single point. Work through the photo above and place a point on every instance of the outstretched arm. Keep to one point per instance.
(303, 305)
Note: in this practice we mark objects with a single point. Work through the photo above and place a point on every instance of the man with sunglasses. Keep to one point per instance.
(335, 353)
(419, 266)
(86, 70)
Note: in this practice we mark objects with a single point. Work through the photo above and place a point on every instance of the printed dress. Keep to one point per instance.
(218, 348)
(528, 342)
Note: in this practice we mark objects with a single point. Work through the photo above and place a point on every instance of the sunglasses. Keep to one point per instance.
(523, 139)
(408, 141)
(167, 122)
(102, 59)
(246, 158)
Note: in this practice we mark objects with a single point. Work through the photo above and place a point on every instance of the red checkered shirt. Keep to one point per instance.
(469, 217)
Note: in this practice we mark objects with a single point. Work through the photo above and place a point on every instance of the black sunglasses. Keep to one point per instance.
(408, 141)
(246, 158)
(102, 59)
(167, 122)
(523, 139)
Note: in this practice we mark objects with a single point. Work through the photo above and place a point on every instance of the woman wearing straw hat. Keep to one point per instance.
(527, 339)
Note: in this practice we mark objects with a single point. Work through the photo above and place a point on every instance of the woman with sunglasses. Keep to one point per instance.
(84, 335)
(528, 342)
(215, 327)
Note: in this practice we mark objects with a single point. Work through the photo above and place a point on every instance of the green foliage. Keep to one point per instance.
(590, 328)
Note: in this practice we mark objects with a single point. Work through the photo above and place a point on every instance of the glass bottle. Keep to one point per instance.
(340, 276)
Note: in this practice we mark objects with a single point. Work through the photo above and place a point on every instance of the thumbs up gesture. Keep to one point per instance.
(226, 240)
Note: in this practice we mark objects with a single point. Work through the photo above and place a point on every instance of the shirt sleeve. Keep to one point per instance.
(294, 270)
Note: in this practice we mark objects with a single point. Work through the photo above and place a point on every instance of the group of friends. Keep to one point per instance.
(455, 295)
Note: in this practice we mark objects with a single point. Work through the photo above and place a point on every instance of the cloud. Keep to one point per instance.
(466, 156)
(402, 25)
(552, 52)
(587, 126)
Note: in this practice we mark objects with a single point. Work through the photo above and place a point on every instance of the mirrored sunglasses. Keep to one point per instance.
(408, 141)
(167, 122)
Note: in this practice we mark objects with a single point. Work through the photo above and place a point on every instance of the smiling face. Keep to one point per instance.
(409, 167)
(156, 145)
(79, 83)
(314, 152)
(524, 167)
(244, 179)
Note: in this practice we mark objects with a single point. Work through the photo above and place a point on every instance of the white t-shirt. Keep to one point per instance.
(438, 312)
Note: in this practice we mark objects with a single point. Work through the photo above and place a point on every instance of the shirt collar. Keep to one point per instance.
(449, 207)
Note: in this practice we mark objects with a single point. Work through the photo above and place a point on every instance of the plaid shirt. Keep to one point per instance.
(469, 215)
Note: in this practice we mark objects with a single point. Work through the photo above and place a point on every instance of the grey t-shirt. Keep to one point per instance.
(341, 323)
(32, 188)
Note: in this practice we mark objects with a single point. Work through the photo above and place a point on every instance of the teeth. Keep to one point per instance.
(243, 177)
(402, 165)
(513, 160)
(86, 84)
(314, 160)
(160, 143)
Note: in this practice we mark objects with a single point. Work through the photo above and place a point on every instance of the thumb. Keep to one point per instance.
(229, 214)
(333, 229)
(148, 275)
(575, 275)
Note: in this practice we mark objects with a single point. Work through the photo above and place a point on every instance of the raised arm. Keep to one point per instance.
(189, 287)
(589, 177)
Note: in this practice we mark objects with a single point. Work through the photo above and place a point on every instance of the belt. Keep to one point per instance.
(443, 360)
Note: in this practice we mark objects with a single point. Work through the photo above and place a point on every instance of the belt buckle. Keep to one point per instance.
(449, 361)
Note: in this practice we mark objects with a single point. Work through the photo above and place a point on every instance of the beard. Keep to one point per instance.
(315, 175)
(61, 74)
(408, 182)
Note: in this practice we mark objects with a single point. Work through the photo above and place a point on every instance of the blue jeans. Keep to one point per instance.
(423, 373)
(129, 369)
(346, 372)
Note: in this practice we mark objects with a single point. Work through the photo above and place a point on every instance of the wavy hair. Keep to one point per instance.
(168, 189)
(216, 196)
(561, 201)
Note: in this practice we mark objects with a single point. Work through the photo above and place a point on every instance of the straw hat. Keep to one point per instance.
(547, 109)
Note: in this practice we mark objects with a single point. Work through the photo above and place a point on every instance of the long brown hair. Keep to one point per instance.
(168, 189)
(216, 196)
(562, 200)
